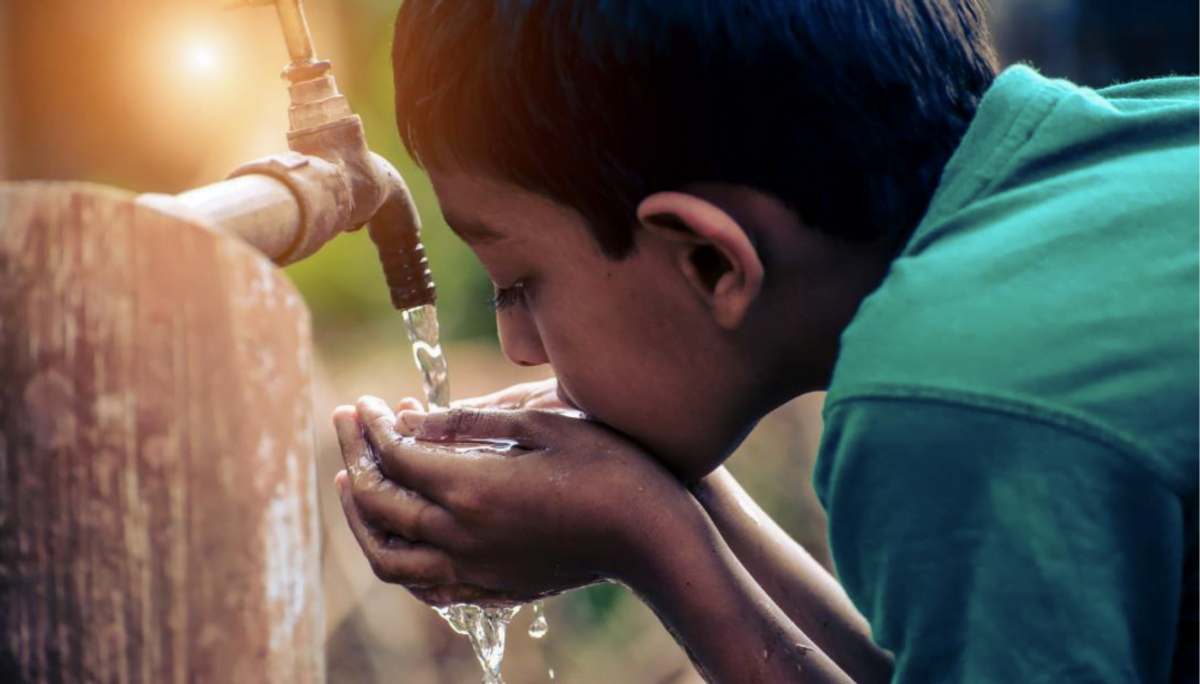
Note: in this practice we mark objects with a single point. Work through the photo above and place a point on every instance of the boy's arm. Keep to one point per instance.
(804, 590)
(730, 627)
(798, 585)
(572, 503)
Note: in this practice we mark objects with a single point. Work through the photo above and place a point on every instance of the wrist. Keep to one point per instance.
(714, 608)
(659, 535)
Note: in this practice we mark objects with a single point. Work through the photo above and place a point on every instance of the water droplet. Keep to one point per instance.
(539, 626)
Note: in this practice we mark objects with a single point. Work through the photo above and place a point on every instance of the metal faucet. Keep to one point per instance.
(289, 205)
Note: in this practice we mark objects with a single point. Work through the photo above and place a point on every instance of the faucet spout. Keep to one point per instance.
(396, 231)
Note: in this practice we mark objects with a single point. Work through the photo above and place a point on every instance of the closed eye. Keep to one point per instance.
(508, 297)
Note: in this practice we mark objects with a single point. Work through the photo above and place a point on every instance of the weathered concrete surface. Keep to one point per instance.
(157, 493)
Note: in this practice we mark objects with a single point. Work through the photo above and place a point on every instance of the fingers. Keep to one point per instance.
(507, 398)
(356, 453)
(529, 429)
(378, 422)
(543, 395)
(410, 404)
(538, 394)
(392, 558)
(386, 506)
(401, 458)
(442, 596)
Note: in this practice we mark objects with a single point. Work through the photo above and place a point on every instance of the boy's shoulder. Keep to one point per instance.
(1056, 269)
(1013, 414)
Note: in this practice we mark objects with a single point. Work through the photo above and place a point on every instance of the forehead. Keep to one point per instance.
(485, 212)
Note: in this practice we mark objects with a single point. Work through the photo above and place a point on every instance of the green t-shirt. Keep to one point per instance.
(1010, 453)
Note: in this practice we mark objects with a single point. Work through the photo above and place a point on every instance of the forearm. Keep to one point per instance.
(810, 596)
(730, 628)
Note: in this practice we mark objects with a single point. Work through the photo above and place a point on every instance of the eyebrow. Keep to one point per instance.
(474, 232)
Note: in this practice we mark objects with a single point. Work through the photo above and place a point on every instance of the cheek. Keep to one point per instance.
(631, 361)
(636, 350)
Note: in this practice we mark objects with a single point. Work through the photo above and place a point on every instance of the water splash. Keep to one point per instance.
(486, 627)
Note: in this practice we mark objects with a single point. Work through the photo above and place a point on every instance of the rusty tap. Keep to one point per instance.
(291, 204)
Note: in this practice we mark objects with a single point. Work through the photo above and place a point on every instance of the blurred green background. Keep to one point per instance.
(163, 97)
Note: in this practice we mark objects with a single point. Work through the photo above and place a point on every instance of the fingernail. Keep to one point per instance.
(412, 421)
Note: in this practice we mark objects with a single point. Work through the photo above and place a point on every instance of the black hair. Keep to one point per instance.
(846, 110)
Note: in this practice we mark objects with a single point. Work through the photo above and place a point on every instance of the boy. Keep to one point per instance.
(697, 211)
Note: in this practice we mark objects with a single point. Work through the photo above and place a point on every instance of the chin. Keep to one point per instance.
(694, 461)
(689, 451)
(704, 461)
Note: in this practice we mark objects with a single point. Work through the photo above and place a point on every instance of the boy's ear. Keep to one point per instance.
(712, 251)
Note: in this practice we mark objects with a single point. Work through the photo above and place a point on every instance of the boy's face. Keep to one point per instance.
(630, 342)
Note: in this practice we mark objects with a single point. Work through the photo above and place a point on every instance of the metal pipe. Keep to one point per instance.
(295, 31)
(259, 209)
(286, 206)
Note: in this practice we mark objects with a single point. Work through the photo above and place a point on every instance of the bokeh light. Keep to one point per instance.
(202, 59)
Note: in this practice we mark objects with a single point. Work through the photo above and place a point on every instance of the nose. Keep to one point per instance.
(519, 339)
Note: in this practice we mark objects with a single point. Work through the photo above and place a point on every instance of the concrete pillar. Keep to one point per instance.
(158, 519)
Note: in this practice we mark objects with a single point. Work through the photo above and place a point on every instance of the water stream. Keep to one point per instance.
(484, 625)
(422, 325)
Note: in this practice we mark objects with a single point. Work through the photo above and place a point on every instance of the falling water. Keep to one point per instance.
(485, 626)
(422, 324)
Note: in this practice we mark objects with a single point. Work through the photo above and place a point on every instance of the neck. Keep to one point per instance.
(801, 320)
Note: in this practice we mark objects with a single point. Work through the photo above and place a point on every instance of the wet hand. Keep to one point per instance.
(541, 395)
(569, 503)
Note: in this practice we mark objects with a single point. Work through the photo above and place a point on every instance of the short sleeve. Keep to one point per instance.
(986, 547)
